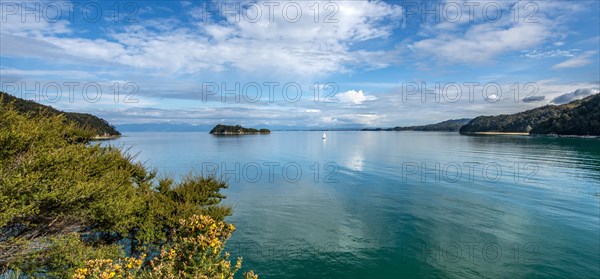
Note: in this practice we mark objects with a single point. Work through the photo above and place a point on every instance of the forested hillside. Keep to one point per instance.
(582, 120)
(579, 117)
(452, 125)
(98, 126)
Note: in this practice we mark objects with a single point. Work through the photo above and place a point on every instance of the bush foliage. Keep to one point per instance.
(195, 252)
(65, 201)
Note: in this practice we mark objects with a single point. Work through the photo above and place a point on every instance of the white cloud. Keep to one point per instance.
(483, 42)
(302, 48)
(575, 62)
(575, 95)
(16, 22)
(492, 98)
(481, 39)
(354, 97)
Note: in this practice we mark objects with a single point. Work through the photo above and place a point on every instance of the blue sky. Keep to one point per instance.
(315, 64)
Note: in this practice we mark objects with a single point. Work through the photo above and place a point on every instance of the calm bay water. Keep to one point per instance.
(399, 204)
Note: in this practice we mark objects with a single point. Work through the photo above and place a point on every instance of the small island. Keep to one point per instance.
(237, 130)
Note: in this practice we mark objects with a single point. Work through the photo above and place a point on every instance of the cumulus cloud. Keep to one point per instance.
(575, 62)
(483, 42)
(533, 99)
(20, 23)
(575, 95)
(354, 97)
(271, 45)
(485, 38)
(492, 98)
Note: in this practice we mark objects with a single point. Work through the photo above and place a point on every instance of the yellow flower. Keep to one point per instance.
(172, 254)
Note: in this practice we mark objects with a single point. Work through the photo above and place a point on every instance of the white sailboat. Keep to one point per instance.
(324, 136)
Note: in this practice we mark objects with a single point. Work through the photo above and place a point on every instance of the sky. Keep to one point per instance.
(299, 64)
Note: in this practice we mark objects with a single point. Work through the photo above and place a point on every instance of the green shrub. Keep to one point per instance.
(195, 252)
(65, 201)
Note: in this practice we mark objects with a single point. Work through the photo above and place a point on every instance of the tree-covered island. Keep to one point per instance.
(237, 130)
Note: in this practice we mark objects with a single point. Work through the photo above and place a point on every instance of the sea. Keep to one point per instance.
(383, 204)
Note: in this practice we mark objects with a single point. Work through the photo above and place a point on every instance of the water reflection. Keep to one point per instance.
(381, 221)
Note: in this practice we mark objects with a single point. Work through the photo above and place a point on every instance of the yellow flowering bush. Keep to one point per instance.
(107, 269)
(196, 252)
(65, 200)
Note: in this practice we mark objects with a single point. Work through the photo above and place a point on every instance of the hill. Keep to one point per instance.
(452, 125)
(583, 120)
(579, 117)
(236, 130)
(97, 125)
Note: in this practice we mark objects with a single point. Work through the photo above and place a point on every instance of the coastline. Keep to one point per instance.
(535, 135)
(501, 133)
(567, 136)
(100, 138)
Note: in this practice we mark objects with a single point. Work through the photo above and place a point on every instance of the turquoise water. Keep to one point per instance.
(399, 204)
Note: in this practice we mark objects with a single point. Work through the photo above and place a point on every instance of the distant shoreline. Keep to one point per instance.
(501, 133)
(534, 135)
(567, 136)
